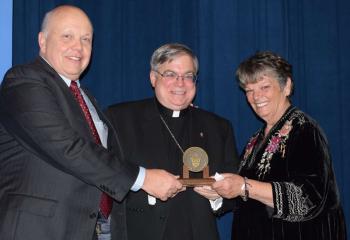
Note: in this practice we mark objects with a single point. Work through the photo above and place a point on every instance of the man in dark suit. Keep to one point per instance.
(58, 152)
(156, 132)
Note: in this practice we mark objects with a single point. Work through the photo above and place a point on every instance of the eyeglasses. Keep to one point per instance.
(170, 76)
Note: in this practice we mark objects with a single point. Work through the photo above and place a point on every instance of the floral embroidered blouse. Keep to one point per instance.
(295, 159)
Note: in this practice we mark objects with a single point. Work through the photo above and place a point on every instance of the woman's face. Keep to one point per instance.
(267, 98)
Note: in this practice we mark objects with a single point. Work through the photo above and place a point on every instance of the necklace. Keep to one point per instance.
(171, 133)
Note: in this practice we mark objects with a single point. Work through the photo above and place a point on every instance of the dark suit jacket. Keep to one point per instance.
(139, 128)
(51, 171)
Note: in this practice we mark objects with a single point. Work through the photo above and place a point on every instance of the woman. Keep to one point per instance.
(286, 187)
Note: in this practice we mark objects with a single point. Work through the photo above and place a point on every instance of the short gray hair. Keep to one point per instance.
(264, 64)
(45, 22)
(168, 52)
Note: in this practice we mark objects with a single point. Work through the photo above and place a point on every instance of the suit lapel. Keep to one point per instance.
(151, 126)
(69, 105)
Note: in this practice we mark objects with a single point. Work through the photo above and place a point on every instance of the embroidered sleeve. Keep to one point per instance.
(291, 203)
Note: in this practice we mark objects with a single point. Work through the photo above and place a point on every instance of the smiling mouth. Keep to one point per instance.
(260, 105)
(74, 58)
(178, 92)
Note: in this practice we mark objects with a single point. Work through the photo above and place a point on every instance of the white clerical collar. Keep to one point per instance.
(170, 113)
(176, 114)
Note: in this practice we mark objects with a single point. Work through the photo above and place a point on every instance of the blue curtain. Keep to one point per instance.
(312, 35)
(5, 36)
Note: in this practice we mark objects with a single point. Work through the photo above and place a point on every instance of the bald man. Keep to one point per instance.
(59, 156)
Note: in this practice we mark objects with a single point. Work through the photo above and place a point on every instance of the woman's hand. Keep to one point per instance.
(207, 192)
(233, 186)
(230, 186)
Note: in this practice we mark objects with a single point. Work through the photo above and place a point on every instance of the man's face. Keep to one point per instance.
(67, 43)
(177, 94)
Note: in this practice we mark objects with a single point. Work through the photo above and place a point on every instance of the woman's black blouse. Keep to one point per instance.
(295, 159)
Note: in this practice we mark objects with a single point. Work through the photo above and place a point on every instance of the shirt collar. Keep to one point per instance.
(65, 79)
(68, 81)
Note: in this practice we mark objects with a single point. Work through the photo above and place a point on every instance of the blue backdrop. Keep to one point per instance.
(312, 35)
(5, 36)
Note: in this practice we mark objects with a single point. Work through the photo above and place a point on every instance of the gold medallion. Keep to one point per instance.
(195, 158)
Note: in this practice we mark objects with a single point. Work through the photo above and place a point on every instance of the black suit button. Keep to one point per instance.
(162, 218)
(92, 215)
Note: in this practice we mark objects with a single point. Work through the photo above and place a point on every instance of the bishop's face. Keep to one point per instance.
(176, 93)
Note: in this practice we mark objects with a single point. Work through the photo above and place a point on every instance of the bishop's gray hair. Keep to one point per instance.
(168, 52)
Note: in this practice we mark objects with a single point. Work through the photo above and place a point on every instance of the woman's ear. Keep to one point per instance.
(288, 88)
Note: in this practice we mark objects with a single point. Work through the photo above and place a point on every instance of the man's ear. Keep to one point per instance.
(42, 42)
(153, 78)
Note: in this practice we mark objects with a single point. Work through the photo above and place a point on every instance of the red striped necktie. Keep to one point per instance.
(106, 201)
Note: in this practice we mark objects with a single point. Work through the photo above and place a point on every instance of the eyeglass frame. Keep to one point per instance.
(194, 80)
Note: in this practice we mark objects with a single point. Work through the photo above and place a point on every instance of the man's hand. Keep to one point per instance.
(161, 184)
